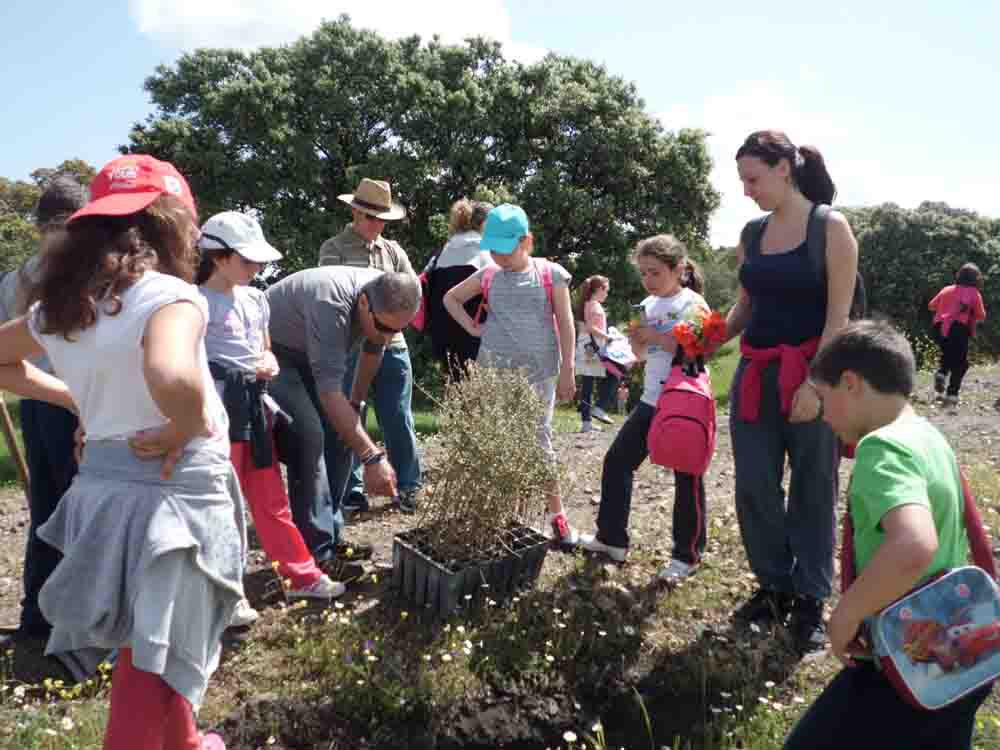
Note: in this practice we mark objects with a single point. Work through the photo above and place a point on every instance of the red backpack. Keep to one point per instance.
(682, 434)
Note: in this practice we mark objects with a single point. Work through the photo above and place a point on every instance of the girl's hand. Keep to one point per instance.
(267, 366)
(566, 387)
(166, 442)
(643, 335)
(79, 440)
(806, 404)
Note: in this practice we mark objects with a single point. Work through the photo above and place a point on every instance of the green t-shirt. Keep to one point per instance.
(907, 461)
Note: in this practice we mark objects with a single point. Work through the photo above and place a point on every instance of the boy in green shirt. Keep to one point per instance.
(905, 501)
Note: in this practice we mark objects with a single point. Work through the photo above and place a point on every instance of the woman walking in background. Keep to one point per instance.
(957, 309)
(461, 257)
(787, 307)
(592, 325)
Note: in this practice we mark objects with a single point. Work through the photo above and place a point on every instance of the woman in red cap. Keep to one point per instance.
(151, 528)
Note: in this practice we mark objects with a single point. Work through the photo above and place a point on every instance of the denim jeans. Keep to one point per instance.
(393, 395)
(861, 709)
(48, 445)
(625, 455)
(789, 544)
(311, 450)
(605, 394)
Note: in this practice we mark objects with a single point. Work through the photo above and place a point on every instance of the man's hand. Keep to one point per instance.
(843, 632)
(380, 479)
(267, 367)
(566, 387)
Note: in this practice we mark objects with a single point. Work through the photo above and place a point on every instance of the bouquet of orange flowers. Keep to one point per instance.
(696, 333)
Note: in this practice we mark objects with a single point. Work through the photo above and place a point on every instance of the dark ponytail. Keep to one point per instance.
(693, 278)
(206, 264)
(587, 289)
(807, 165)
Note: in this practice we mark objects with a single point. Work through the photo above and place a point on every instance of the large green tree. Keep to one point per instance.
(906, 256)
(283, 131)
(18, 198)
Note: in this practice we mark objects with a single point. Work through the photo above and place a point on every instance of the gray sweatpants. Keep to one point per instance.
(789, 544)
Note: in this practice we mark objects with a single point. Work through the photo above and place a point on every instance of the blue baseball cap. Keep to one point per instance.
(505, 226)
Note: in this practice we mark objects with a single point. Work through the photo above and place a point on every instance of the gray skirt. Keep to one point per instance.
(151, 565)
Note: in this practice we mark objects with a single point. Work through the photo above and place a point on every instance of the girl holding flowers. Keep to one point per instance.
(674, 283)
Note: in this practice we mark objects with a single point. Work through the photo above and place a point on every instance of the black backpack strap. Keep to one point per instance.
(753, 230)
(816, 237)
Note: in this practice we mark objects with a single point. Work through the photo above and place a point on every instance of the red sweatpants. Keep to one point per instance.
(146, 712)
(268, 501)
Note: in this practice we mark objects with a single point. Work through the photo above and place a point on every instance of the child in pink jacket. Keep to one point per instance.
(957, 308)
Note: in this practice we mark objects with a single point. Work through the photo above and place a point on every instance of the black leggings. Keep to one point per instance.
(954, 354)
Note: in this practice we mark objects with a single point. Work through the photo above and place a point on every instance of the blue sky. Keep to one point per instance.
(902, 100)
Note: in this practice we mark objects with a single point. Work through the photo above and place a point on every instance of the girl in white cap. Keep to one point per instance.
(233, 252)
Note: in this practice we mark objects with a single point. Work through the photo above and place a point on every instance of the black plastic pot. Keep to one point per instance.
(442, 586)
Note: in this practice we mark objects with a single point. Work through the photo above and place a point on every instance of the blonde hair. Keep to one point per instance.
(671, 252)
(466, 215)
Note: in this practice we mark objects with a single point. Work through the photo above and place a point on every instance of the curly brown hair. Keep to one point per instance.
(100, 257)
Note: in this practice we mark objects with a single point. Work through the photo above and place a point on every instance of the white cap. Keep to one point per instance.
(232, 230)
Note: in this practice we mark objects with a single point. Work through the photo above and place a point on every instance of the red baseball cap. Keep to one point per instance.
(130, 183)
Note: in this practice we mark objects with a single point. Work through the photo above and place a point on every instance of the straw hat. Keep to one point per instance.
(374, 198)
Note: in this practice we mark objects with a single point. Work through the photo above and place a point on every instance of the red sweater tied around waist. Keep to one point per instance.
(793, 369)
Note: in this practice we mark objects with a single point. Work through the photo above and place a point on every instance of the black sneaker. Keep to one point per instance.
(766, 606)
(356, 502)
(407, 501)
(939, 382)
(807, 626)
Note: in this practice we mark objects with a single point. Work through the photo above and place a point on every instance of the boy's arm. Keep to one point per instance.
(908, 549)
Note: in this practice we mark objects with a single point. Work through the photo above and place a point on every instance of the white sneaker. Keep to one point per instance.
(559, 530)
(322, 588)
(600, 415)
(676, 571)
(589, 427)
(591, 543)
(243, 615)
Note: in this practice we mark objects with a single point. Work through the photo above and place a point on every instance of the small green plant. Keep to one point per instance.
(493, 474)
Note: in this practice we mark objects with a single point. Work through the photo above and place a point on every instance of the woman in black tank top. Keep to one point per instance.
(785, 310)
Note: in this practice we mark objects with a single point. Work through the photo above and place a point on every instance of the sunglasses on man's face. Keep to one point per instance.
(382, 327)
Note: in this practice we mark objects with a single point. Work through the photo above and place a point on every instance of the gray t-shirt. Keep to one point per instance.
(236, 326)
(312, 312)
(520, 330)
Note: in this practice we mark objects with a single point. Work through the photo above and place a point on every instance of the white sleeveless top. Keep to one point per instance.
(103, 365)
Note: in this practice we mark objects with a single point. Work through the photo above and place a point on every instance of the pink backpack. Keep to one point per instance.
(544, 271)
(682, 434)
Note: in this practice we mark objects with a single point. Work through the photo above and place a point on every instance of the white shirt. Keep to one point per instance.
(103, 365)
(662, 313)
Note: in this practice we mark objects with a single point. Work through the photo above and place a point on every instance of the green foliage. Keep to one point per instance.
(493, 473)
(284, 131)
(906, 256)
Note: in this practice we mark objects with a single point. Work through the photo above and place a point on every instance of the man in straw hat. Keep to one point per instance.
(362, 245)
(47, 429)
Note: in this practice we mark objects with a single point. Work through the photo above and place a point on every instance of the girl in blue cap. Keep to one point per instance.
(530, 326)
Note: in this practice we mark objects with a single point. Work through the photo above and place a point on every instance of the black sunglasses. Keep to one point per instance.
(379, 325)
